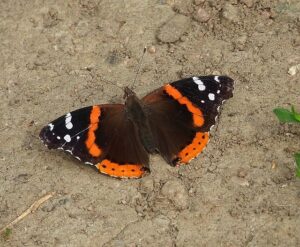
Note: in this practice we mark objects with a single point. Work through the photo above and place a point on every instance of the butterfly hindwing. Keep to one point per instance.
(100, 136)
(181, 114)
(124, 154)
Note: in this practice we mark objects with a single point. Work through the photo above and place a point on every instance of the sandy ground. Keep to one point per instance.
(57, 56)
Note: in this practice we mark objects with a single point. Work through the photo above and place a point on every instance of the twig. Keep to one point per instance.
(31, 209)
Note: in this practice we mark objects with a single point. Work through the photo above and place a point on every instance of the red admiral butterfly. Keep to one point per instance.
(174, 121)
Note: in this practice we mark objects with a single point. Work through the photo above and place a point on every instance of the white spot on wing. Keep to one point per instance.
(58, 137)
(218, 91)
(68, 115)
(211, 96)
(67, 138)
(77, 137)
(69, 125)
(201, 87)
(51, 126)
(68, 122)
(88, 163)
(202, 101)
(217, 78)
(198, 81)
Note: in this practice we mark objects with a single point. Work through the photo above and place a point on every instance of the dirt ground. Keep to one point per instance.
(57, 56)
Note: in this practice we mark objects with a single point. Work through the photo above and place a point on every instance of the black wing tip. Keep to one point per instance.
(47, 138)
(226, 79)
(227, 85)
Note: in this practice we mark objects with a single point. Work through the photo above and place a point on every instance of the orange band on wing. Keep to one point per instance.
(121, 171)
(93, 148)
(192, 150)
(197, 113)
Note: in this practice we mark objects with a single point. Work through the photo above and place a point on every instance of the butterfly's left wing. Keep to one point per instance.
(181, 114)
(101, 136)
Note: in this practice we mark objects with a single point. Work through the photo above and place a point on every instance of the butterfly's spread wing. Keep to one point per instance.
(101, 136)
(181, 114)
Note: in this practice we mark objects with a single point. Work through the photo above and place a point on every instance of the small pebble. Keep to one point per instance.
(175, 191)
(240, 181)
(124, 202)
(152, 49)
(294, 69)
(242, 174)
(201, 15)
(192, 191)
(230, 13)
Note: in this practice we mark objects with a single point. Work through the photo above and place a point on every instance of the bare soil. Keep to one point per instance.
(57, 56)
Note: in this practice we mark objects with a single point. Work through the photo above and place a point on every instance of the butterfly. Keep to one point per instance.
(117, 139)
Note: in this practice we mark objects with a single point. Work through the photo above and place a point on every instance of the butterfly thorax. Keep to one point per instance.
(136, 113)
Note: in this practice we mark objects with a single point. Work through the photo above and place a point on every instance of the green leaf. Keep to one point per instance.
(297, 117)
(285, 116)
(297, 158)
(296, 114)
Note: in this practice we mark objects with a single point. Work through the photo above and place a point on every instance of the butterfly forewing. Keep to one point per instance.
(207, 93)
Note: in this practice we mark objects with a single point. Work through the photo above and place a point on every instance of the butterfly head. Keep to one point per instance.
(128, 93)
(132, 103)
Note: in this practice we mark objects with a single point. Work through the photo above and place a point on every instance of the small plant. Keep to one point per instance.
(286, 116)
(6, 234)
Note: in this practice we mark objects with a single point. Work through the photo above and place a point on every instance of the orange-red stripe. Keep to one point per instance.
(192, 150)
(93, 148)
(121, 171)
(198, 119)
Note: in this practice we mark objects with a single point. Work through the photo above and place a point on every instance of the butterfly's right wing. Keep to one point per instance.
(181, 114)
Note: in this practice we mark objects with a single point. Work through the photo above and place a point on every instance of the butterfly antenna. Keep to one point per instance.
(139, 67)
